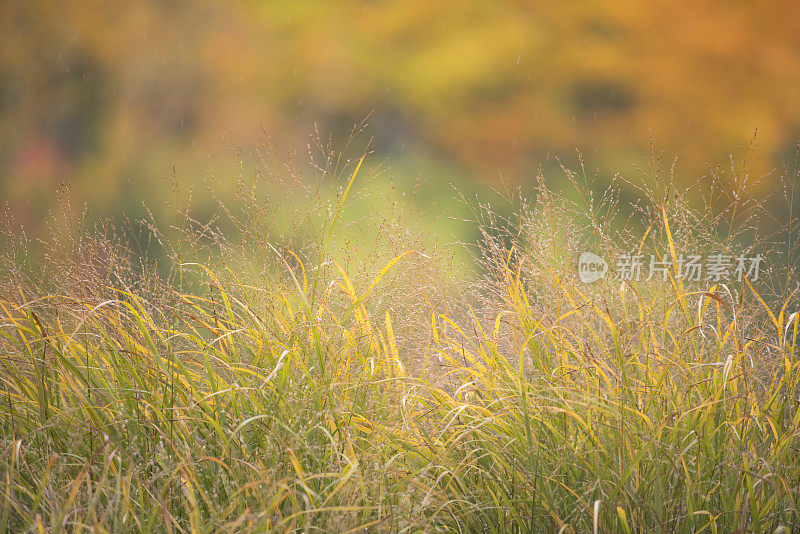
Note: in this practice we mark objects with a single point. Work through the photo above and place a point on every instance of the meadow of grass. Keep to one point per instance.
(310, 365)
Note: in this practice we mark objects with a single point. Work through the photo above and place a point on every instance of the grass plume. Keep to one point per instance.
(312, 364)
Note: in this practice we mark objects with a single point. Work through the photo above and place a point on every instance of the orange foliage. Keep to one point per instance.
(107, 94)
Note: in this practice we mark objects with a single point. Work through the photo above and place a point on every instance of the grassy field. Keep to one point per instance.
(310, 366)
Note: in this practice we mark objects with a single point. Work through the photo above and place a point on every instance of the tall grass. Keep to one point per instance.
(330, 375)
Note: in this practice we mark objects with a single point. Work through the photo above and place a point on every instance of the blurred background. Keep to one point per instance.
(110, 96)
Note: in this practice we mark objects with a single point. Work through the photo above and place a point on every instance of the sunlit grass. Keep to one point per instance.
(294, 388)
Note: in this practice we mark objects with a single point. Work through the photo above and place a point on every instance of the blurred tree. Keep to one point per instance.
(108, 95)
